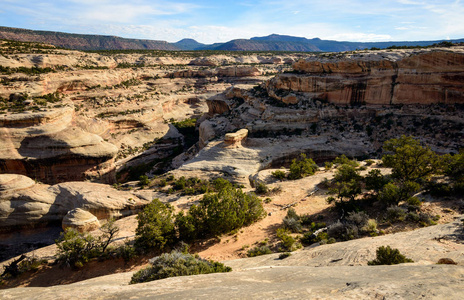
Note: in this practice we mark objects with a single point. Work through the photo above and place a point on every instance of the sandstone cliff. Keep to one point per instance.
(377, 78)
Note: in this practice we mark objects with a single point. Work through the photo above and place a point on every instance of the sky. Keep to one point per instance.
(210, 21)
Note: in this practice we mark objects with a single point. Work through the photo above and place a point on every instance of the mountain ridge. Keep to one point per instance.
(273, 42)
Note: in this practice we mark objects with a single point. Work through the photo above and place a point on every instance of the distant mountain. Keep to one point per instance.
(82, 41)
(336, 46)
(263, 45)
(273, 42)
(188, 44)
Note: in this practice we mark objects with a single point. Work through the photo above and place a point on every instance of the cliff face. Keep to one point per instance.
(47, 146)
(379, 78)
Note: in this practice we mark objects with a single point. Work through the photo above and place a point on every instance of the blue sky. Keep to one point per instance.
(210, 21)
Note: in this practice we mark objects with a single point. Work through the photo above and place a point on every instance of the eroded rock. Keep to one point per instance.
(80, 220)
(24, 203)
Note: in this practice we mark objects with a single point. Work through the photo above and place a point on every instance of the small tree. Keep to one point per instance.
(347, 183)
(409, 160)
(155, 227)
(109, 230)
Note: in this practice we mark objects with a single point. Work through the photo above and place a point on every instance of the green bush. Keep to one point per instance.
(155, 229)
(225, 211)
(261, 188)
(258, 250)
(343, 160)
(284, 255)
(292, 221)
(144, 180)
(287, 241)
(75, 249)
(409, 160)
(302, 167)
(279, 174)
(395, 214)
(177, 264)
(388, 256)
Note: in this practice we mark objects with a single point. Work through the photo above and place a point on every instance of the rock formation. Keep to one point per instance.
(376, 78)
(46, 146)
(24, 203)
(80, 220)
(235, 139)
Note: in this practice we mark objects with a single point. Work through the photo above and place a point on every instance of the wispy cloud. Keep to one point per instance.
(218, 21)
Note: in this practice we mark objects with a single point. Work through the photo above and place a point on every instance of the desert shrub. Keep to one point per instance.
(127, 251)
(143, 180)
(287, 241)
(258, 250)
(414, 201)
(370, 227)
(75, 249)
(155, 229)
(393, 194)
(355, 225)
(284, 255)
(388, 256)
(279, 174)
(230, 209)
(359, 219)
(261, 188)
(292, 221)
(328, 165)
(343, 160)
(346, 185)
(310, 238)
(302, 167)
(395, 214)
(177, 264)
(21, 265)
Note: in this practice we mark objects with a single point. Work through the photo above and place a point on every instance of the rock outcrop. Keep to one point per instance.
(387, 77)
(80, 220)
(24, 203)
(46, 146)
(235, 139)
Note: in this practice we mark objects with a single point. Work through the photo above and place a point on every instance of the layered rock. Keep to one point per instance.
(378, 78)
(80, 220)
(46, 146)
(24, 203)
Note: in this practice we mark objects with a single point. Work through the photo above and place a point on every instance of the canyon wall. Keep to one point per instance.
(384, 77)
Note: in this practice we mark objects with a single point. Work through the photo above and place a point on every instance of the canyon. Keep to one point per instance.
(80, 130)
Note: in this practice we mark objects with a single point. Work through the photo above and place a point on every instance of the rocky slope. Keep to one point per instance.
(111, 108)
(336, 271)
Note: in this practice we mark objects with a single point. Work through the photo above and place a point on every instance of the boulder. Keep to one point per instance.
(81, 220)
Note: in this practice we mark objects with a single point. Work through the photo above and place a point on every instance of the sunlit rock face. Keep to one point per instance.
(377, 78)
